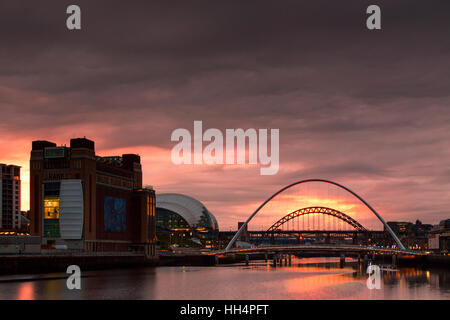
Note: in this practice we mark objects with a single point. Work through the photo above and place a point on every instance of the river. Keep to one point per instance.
(306, 278)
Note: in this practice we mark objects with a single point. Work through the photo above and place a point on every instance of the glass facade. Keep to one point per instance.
(167, 220)
(184, 221)
(55, 152)
(178, 229)
(51, 209)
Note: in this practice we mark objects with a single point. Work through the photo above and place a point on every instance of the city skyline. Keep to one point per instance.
(367, 109)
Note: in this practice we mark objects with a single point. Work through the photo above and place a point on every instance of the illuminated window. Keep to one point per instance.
(51, 208)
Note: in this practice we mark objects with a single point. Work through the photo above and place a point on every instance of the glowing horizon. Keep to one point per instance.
(156, 166)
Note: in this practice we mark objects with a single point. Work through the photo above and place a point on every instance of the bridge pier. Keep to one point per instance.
(290, 260)
(342, 261)
(216, 260)
(366, 260)
(394, 260)
(360, 263)
(246, 260)
(274, 258)
(265, 257)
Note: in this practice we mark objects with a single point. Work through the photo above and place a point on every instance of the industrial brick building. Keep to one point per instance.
(79, 200)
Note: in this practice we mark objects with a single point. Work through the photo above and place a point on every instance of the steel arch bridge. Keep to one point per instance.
(312, 210)
(245, 224)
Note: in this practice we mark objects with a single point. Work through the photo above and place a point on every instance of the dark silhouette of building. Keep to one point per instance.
(245, 236)
(9, 196)
(439, 237)
(412, 235)
(444, 224)
(400, 227)
(79, 200)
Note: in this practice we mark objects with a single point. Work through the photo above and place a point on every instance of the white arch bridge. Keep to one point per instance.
(229, 248)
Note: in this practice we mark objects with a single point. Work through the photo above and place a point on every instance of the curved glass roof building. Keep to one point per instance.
(183, 214)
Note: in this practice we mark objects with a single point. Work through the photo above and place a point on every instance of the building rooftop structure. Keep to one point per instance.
(190, 209)
(186, 216)
(10, 196)
(84, 201)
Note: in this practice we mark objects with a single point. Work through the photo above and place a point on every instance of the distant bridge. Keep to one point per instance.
(314, 210)
(311, 210)
(276, 229)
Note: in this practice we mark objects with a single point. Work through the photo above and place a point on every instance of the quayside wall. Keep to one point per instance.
(32, 264)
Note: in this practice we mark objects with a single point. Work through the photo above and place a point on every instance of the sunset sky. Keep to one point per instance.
(368, 109)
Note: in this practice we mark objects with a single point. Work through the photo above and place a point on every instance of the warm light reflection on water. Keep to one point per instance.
(25, 291)
(306, 278)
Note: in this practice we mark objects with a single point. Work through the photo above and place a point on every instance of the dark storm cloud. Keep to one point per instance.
(166, 43)
(351, 104)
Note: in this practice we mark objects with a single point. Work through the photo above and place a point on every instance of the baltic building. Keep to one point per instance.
(9, 197)
(79, 200)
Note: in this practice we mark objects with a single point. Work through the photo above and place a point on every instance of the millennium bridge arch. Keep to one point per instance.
(312, 210)
(244, 225)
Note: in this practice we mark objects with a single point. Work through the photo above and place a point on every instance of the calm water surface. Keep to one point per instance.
(307, 278)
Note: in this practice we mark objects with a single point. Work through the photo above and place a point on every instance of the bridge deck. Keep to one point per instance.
(306, 248)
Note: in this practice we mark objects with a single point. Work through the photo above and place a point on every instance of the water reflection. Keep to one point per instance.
(25, 291)
(306, 278)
